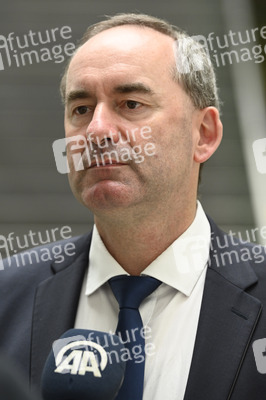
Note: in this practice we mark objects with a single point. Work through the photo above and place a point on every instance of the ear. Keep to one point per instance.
(209, 134)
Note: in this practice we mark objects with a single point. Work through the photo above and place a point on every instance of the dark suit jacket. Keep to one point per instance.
(12, 385)
(39, 303)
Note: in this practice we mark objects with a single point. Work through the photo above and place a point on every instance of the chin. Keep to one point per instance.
(106, 197)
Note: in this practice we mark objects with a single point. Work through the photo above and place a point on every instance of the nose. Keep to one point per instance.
(103, 125)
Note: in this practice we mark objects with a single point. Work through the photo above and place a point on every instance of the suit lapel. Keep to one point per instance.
(55, 305)
(227, 320)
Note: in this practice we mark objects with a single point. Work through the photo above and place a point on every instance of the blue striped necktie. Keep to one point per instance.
(130, 291)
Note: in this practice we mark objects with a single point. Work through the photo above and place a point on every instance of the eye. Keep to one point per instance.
(81, 110)
(132, 105)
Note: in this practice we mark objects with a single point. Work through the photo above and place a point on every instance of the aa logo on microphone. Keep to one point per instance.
(79, 357)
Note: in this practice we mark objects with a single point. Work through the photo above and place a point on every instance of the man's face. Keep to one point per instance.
(118, 84)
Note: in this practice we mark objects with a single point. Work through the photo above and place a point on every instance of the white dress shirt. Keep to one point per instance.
(171, 312)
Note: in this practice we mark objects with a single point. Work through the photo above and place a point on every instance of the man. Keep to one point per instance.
(135, 78)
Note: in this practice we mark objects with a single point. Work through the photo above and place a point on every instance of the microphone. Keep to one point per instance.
(84, 365)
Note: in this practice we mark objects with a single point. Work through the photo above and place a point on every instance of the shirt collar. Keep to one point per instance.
(179, 266)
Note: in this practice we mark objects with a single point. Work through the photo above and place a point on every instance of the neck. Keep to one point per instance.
(137, 241)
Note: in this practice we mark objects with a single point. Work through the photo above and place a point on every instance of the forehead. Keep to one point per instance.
(122, 50)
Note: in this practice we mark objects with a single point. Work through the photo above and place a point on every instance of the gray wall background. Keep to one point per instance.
(33, 194)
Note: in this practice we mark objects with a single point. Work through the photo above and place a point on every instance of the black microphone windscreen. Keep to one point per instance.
(84, 365)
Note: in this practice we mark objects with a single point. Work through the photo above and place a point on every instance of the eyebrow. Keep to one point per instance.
(133, 87)
(77, 94)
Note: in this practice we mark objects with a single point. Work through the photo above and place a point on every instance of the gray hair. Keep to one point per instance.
(193, 69)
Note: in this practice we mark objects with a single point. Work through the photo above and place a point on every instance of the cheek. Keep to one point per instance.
(175, 144)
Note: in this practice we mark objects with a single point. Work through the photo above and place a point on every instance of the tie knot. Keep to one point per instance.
(130, 291)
